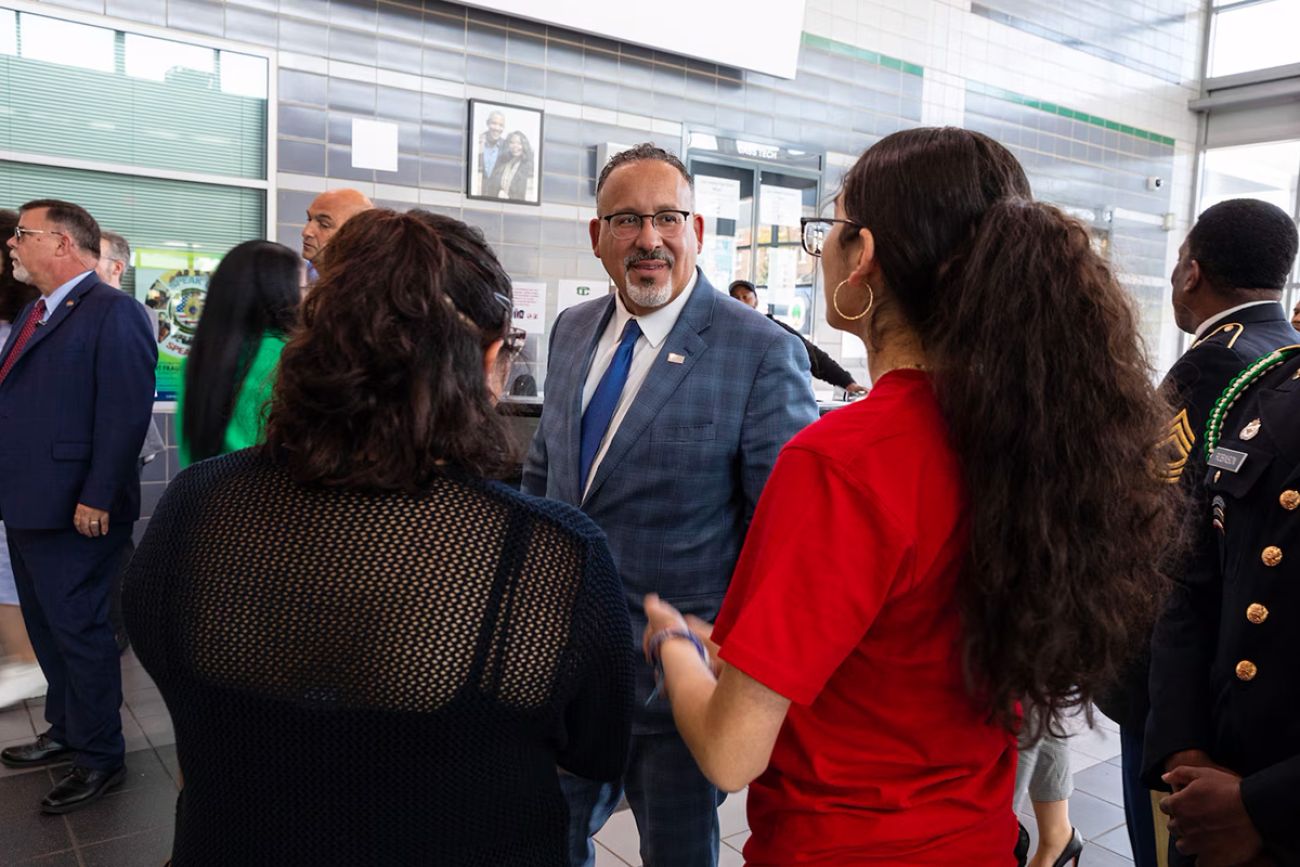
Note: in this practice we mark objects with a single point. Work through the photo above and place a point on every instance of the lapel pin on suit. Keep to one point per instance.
(675, 358)
(69, 303)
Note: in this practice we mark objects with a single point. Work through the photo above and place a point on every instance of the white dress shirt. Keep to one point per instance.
(654, 331)
(1215, 320)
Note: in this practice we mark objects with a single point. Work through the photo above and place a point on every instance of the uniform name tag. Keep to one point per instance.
(1227, 459)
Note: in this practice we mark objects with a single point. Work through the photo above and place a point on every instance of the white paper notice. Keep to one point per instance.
(374, 145)
(530, 307)
(573, 292)
(778, 206)
(782, 269)
(717, 197)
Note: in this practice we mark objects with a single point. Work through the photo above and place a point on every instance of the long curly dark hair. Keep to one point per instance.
(383, 387)
(1043, 381)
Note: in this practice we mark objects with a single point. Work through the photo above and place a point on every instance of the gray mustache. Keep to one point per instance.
(655, 255)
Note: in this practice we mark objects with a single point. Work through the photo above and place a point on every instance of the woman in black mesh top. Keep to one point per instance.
(371, 653)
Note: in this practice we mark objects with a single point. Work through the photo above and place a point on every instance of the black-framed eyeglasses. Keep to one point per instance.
(21, 232)
(668, 223)
(816, 229)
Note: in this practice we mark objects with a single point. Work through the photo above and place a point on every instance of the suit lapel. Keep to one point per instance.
(663, 378)
(573, 418)
(57, 316)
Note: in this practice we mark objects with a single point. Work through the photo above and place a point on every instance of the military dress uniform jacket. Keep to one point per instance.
(1192, 386)
(1226, 654)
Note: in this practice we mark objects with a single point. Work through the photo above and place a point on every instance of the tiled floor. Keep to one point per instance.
(133, 825)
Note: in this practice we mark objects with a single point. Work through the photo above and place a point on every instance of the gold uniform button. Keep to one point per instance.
(1246, 670)
(1256, 613)
(1272, 555)
(1290, 500)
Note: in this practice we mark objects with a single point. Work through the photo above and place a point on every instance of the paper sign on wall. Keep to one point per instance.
(717, 197)
(779, 206)
(573, 292)
(374, 145)
(530, 307)
(782, 269)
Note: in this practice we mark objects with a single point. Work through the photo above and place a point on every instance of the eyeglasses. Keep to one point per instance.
(21, 232)
(626, 225)
(816, 230)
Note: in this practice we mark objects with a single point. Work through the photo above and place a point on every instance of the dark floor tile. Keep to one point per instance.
(144, 768)
(67, 858)
(27, 836)
(121, 813)
(148, 849)
(15, 724)
(20, 795)
(167, 755)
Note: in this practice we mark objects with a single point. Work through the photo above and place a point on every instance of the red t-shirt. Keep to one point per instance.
(843, 602)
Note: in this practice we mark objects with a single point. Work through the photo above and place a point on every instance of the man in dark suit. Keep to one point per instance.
(666, 405)
(76, 395)
(1227, 286)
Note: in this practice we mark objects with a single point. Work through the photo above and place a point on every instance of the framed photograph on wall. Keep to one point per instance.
(504, 153)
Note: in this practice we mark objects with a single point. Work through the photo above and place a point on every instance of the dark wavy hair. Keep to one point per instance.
(253, 292)
(383, 388)
(14, 294)
(1042, 379)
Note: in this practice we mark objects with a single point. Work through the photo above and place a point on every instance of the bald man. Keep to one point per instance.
(327, 212)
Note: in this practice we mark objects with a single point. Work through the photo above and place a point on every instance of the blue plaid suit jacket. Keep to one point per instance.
(677, 488)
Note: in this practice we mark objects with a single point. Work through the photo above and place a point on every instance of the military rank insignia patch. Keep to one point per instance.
(1178, 447)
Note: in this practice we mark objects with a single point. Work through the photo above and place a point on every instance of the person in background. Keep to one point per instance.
(1295, 316)
(20, 674)
(513, 171)
(1225, 292)
(874, 711)
(226, 380)
(76, 396)
(491, 143)
(325, 215)
(114, 259)
(357, 611)
(1223, 665)
(823, 366)
(666, 405)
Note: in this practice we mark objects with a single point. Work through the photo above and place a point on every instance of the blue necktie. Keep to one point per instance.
(600, 410)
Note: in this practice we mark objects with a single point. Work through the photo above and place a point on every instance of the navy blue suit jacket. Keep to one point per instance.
(74, 410)
(682, 476)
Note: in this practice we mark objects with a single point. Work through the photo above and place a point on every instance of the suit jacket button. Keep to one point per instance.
(1246, 670)
(1256, 613)
(1289, 500)
(1272, 555)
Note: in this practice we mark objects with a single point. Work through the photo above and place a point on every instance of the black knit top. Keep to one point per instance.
(359, 678)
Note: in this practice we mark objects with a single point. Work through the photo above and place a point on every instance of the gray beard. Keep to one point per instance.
(649, 296)
(20, 273)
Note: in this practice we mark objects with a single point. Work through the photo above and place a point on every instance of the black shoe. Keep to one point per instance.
(44, 751)
(1073, 850)
(82, 786)
(1022, 846)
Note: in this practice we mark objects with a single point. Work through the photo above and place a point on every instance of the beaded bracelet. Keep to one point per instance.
(656, 642)
(1239, 384)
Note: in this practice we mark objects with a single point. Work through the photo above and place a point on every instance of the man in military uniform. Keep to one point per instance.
(1221, 731)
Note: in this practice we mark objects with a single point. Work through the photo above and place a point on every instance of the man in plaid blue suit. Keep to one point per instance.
(666, 405)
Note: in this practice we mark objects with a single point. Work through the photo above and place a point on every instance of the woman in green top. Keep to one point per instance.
(251, 305)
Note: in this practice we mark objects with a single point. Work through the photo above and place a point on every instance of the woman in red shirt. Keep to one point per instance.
(981, 529)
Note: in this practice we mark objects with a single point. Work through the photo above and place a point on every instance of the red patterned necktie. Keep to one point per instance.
(29, 328)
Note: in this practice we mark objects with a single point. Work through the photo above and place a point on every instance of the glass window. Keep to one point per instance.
(8, 31)
(1250, 36)
(1263, 171)
(166, 105)
(67, 43)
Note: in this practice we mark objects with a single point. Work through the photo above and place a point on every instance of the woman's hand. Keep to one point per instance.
(704, 632)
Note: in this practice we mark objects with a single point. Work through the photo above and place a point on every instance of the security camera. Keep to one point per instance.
(1154, 183)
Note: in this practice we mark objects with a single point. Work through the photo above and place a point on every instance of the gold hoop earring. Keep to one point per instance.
(835, 302)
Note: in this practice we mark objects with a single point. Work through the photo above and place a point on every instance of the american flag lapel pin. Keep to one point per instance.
(674, 358)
